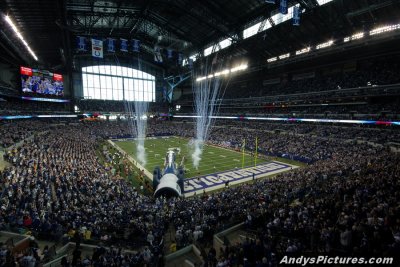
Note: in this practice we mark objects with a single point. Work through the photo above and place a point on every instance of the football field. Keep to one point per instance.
(213, 160)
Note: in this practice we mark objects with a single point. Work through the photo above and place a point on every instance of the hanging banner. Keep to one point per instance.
(169, 53)
(135, 45)
(110, 45)
(296, 16)
(180, 59)
(164, 93)
(283, 9)
(190, 63)
(81, 43)
(157, 55)
(97, 48)
(124, 45)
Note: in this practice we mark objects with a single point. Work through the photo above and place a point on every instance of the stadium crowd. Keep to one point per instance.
(19, 107)
(345, 202)
(368, 73)
(364, 111)
(379, 135)
(11, 132)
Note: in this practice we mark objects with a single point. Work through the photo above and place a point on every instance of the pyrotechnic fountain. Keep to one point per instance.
(137, 112)
(206, 91)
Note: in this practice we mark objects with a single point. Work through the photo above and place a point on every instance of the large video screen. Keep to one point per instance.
(41, 82)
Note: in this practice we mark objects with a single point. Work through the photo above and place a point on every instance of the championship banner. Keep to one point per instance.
(180, 59)
(283, 9)
(135, 45)
(157, 55)
(97, 48)
(190, 63)
(124, 45)
(169, 53)
(296, 16)
(164, 93)
(110, 45)
(81, 44)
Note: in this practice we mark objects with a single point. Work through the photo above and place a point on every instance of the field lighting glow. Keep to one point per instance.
(303, 51)
(382, 29)
(223, 72)
(324, 45)
(238, 68)
(12, 25)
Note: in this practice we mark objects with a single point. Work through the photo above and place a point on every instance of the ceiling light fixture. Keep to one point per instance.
(12, 25)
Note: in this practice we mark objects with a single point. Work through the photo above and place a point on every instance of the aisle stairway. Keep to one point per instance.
(3, 163)
(169, 238)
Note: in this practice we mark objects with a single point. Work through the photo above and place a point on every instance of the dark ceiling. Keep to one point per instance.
(50, 26)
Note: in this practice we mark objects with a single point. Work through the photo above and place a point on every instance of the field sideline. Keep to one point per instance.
(214, 159)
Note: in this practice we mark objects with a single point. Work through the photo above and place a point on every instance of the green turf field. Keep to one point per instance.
(214, 159)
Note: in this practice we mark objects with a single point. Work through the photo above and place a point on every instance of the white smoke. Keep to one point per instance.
(197, 152)
(141, 153)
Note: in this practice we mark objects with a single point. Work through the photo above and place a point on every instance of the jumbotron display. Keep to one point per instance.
(41, 82)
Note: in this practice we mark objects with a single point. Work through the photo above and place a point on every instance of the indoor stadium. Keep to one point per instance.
(213, 133)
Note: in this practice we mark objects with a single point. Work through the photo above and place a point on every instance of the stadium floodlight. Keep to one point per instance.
(235, 69)
(238, 68)
(225, 72)
(272, 59)
(383, 29)
(355, 36)
(303, 51)
(324, 45)
(12, 25)
(284, 56)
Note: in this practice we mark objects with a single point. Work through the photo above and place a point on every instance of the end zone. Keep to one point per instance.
(216, 181)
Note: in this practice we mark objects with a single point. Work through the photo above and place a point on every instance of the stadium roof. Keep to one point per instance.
(49, 27)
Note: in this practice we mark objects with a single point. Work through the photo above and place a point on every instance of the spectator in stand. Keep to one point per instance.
(346, 199)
